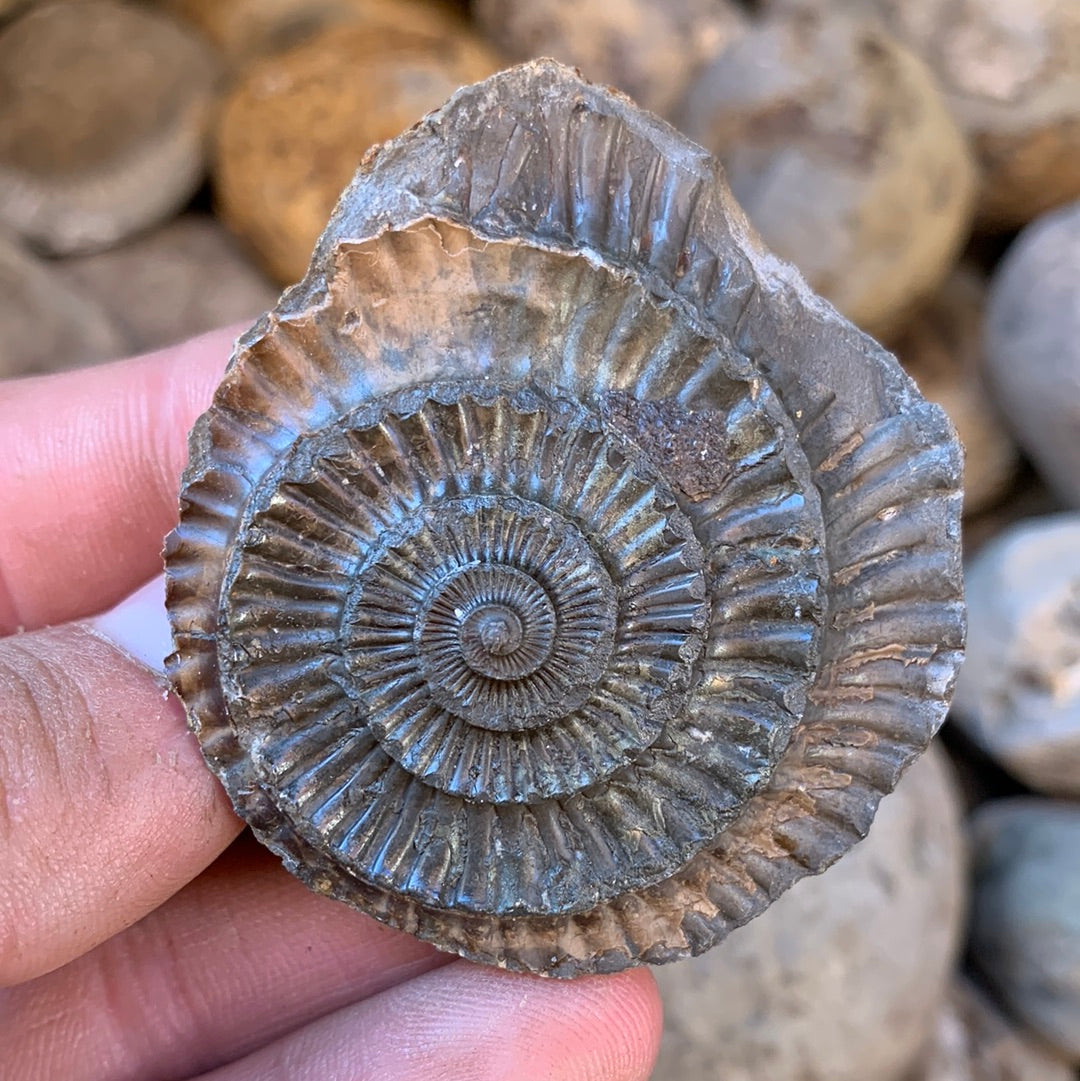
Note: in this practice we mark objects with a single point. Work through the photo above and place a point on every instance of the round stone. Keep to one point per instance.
(1018, 694)
(830, 131)
(841, 979)
(107, 109)
(1032, 333)
(294, 126)
(1025, 918)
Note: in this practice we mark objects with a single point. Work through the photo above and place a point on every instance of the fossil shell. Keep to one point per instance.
(557, 578)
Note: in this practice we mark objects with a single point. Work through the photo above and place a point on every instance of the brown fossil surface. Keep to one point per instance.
(105, 115)
(558, 578)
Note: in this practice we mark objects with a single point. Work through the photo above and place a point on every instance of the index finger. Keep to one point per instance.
(92, 460)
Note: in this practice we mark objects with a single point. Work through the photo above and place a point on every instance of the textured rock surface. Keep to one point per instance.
(1033, 345)
(1010, 73)
(941, 348)
(1018, 694)
(49, 324)
(186, 278)
(103, 130)
(648, 50)
(842, 978)
(839, 147)
(1025, 921)
(295, 128)
(972, 1041)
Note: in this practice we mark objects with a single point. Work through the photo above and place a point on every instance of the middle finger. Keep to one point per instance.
(242, 955)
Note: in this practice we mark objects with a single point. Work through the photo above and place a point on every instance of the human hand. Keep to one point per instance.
(139, 940)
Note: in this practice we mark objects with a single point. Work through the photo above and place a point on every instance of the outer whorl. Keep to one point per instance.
(557, 578)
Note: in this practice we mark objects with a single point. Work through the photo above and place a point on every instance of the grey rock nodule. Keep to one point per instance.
(973, 1041)
(1018, 694)
(103, 130)
(186, 278)
(1025, 925)
(49, 324)
(839, 147)
(841, 979)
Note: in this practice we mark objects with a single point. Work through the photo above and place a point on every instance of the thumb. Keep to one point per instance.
(106, 808)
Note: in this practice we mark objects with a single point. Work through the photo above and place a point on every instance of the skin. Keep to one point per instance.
(139, 938)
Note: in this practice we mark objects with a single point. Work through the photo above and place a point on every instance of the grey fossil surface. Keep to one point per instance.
(558, 578)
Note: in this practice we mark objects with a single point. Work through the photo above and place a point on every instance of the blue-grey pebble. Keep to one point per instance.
(1025, 927)
(1032, 339)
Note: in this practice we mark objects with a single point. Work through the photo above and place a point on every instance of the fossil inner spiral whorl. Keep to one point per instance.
(511, 613)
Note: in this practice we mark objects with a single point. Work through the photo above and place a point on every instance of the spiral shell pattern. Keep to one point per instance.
(501, 593)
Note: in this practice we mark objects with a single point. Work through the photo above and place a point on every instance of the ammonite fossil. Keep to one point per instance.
(557, 578)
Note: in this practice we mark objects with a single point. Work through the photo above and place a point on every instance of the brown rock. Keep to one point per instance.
(941, 348)
(48, 324)
(246, 29)
(294, 130)
(105, 113)
(841, 151)
(649, 50)
(184, 279)
(974, 1042)
(841, 978)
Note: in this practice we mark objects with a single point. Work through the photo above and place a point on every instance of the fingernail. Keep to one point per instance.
(139, 625)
